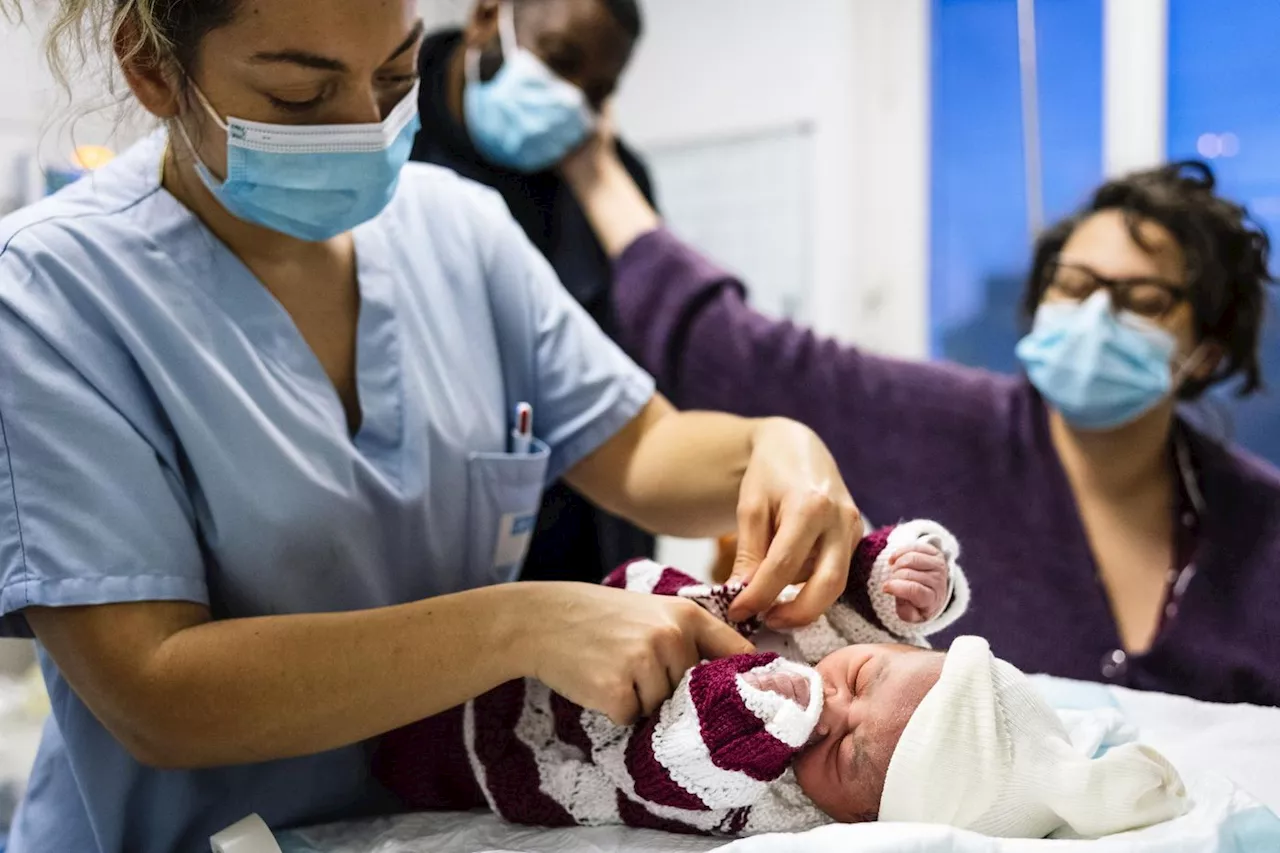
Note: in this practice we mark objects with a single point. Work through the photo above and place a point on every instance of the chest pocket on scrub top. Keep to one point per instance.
(504, 492)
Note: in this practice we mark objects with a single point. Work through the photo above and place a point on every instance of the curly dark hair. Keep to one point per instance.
(1226, 255)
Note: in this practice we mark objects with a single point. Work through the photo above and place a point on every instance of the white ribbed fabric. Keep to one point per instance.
(784, 720)
(984, 752)
(886, 606)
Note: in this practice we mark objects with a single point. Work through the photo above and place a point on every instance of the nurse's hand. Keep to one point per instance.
(621, 653)
(797, 523)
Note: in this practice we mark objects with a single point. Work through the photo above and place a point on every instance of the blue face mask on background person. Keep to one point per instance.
(312, 182)
(1100, 370)
(526, 118)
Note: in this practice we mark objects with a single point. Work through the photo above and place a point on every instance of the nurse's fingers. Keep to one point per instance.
(755, 528)
(623, 707)
(677, 651)
(652, 684)
(780, 568)
(717, 640)
(825, 585)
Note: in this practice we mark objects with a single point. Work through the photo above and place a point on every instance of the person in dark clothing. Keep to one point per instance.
(502, 102)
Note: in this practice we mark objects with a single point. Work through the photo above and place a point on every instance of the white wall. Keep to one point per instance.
(23, 85)
(854, 70)
(39, 123)
(1135, 90)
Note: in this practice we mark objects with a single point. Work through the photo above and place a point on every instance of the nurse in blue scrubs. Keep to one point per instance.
(258, 500)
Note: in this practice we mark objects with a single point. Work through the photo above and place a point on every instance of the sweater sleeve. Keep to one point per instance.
(686, 320)
(892, 425)
(865, 603)
(649, 577)
(720, 741)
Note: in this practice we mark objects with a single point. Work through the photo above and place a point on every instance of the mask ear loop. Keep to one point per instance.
(472, 65)
(1189, 365)
(208, 107)
(186, 137)
(506, 41)
(507, 30)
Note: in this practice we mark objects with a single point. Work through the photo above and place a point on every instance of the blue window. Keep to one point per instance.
(1224, 107)
(980, 244)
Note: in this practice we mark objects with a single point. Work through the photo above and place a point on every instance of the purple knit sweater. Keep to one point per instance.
(972, 450)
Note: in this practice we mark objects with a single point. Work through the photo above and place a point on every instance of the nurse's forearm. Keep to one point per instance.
(673, 473)
(615, 206)
(182, 692)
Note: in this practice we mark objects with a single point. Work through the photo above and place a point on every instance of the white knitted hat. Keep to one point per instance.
(984, 752)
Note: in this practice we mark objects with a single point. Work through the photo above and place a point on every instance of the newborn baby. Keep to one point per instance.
(846, 720)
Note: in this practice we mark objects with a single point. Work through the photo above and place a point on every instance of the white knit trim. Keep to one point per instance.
(609, 752)
(818, 640)
(679, 748)
(956, 607)
(783, 718)
(854, 628)
(698, 590)
(886, 606)
(564, 774)
(477, 767)
(643, 575)
(784, 808)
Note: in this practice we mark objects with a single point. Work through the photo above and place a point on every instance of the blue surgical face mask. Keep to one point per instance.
(526, 118)
(312, 182)
(1098, 369)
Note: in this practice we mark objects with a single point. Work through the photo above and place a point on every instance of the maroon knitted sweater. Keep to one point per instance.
(715, 759)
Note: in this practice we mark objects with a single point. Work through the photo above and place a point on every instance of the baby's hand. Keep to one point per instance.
(788, 685)
(918, 581)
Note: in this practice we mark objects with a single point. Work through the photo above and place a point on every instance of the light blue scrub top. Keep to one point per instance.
(166, 434)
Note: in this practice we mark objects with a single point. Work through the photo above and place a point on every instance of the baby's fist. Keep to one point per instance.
(918, 580)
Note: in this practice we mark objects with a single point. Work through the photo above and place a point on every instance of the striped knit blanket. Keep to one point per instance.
(714, 760)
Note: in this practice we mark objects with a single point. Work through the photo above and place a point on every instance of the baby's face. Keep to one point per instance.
(871, 692)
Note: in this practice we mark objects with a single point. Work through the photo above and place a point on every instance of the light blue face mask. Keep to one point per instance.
(312, 182)
(526, 118)
(1098, 369)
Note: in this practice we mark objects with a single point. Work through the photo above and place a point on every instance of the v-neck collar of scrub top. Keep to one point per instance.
(268, 326)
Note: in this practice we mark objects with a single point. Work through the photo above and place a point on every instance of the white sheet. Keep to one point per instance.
(1223, 821)
(1230, 756)
(484, 833)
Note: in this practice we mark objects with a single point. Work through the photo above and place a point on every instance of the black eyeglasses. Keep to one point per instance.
(1152, 298)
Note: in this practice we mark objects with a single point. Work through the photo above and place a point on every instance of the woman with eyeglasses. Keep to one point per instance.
(1107, 537)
